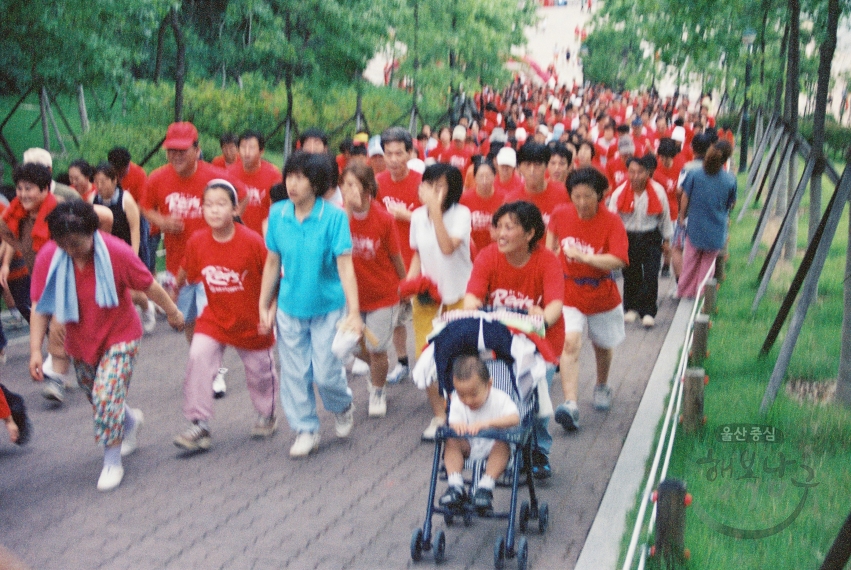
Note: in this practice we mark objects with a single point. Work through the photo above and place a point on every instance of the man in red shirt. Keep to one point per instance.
(398, 191)
(602, 144)
(507, 179)
(230, 151)
(560, 164)
(173, 197)
(258, 175)
(545, 194)
(458, 154)
(616, 167)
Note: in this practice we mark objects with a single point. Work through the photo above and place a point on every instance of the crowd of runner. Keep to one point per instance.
(536, 199)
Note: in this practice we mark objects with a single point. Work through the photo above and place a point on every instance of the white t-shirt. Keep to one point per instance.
(450, 272)
(497, 405)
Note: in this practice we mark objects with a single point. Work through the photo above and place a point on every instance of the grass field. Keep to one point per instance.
(795, 491)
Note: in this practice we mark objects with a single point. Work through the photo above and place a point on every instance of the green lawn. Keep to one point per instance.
(739, 486)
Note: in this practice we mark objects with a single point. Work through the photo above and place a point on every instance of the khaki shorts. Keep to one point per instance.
(381, 323)
(606, 329)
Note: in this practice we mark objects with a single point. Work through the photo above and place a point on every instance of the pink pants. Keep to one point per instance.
(205, 358)
(696, 262)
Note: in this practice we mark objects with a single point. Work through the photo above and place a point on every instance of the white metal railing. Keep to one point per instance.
(668, 424)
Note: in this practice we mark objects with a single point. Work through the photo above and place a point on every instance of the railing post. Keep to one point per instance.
(671, 503)
(721, 265)
(693, 418)
(710, 297)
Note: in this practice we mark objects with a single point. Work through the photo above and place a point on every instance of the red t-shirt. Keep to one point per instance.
(514, 184)
(662, 176)
(374, 241)
(231, 273)
(459, 158)
(134, 181)
(604, 233)
(99, 328)
(538, 283)
(481, 214)
(404, 193)
(257, 185)
(546, 201)
(173, 195)
(219, 162)
(616, 172)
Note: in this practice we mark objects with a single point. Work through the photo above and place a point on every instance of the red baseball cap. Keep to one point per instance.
(180, 136)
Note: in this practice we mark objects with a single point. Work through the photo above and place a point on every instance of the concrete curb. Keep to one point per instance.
(602, 546)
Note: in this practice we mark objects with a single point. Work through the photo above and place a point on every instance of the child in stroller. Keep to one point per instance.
(507, 363)
(475, 405)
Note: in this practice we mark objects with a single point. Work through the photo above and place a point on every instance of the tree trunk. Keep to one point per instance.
(45, 129)
(778, 92)
(793, 90)
(158, 61)
(180, 67)
(826, 51)
(843, 384)
(84, 114)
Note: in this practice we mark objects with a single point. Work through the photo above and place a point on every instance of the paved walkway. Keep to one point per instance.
(245, 504)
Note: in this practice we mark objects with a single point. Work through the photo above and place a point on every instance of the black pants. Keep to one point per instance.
(641, 276)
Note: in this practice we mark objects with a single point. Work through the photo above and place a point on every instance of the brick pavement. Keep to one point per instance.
(245, 504)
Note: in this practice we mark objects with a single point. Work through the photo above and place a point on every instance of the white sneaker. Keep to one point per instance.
(305, 443)
(648, 321)
(219, 386)
(377, 403)
(360, 368)
(110, 477)
(344, 421)
(431, 430)
(149, 317)
(399, 373)
(131, 436)
(630, 316)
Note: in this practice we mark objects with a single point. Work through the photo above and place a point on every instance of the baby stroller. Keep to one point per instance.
(517, 368)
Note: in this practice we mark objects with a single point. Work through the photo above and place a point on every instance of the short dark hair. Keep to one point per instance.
(222, 184)
(589, 176)
(589, 144)
(315, 167)
(483, 161)
(72, 217)
(313, 133)
(278, 192)
(83, 166)
(533, 152)
(647, 162)
(667, 148)
(454, 180)
(465, 366)
(527, 215)
(108, 170)
(560, 149)
(119, 157)
(397, 134)
(253, 134)
(37, 174)
(227, 138)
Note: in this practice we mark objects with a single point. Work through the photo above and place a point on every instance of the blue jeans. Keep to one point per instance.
(153, 244)
(545, 440)
(304, 346)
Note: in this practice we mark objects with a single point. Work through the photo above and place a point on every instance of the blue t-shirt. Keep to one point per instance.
(710, 199)
(310, 284)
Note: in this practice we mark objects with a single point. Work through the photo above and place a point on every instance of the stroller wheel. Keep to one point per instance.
(522, 553)
(523, 519)
(439, 547)
(448, 519)
(499, 553)
(543, 518)
(417, 545)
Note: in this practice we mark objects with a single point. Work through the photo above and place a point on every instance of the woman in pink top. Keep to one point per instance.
(84, 279)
